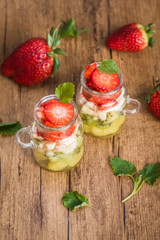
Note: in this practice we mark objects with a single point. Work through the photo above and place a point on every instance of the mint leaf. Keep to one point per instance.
(150, 173)
(59, 51)
(55, 66)
(10, 128)
(69, 29)
(74, 200)
(65, 92)
(108, 67)
(122, 167)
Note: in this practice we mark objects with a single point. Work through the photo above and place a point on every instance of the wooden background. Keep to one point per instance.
(31, 207)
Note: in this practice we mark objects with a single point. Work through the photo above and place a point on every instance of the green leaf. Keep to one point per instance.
(150, 173)
(51, 54)
(122, 167)
(10, 128)
(49, 40)
(65, 92)
(69, 29)
(151, 42)
(57, 41)
(56, 66)
(73, 200)
(56, 36)
(51, 31)
(59, 51)
(108, 67)
(147, 99)
(154, 90)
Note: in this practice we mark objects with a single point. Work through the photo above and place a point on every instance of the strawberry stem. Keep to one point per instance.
(150, 32)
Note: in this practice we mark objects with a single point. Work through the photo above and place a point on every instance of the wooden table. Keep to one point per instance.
(31, 207)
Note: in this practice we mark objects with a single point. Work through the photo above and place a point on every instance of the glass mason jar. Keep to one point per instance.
(104, 114)
(54, 149)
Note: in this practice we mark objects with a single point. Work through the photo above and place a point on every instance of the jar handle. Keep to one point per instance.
(136, 103)
(27, 130)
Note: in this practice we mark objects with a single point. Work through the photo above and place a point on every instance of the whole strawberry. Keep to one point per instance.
(133, 37)
(35, 60)
(153, 101)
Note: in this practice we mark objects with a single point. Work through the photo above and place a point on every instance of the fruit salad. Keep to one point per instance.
(102, 98)
(57, 133)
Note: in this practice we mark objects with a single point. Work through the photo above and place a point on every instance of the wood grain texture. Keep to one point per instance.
(31, 207)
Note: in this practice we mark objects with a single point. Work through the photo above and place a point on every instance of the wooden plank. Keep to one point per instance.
(139, 142)
(93, 177)
(31, 197)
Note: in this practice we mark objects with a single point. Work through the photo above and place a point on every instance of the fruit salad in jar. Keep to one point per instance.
(102, 99)
(56, 134)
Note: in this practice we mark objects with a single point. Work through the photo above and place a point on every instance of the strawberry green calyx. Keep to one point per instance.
(54, 37)
(149, 31)
(53, 40)
(154, 90)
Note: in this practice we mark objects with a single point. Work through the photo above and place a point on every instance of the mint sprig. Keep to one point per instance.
(65, 92)
(148, 174)
(108, 67)
(10, 128)
(69, 29)
(74, 200)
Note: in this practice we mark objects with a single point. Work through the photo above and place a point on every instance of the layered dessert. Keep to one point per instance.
(58, 134)
(102, 98)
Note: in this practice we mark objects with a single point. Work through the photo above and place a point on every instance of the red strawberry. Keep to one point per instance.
(34, 61)
(59, 114)
(132, 38)
(40, 114)
(104, 81)
(90, 69)
(104, 99)
(153, 101)
(48, 124)
(90, 84)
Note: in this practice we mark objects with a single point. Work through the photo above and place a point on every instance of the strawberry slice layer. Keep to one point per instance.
(107, 105)
(105, 82)
(56, 135)
(59, 114)
(90, 69)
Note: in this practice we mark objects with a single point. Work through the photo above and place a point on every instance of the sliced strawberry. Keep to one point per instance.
(56, 135)
(90, 69)
(48, 124)
(110, 103)
(40, 115)
(43, 104)
(90, 84)
(59, 114)
(105, 82)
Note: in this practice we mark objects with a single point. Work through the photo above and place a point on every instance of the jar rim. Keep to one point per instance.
(121, 77)
(45, 99)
